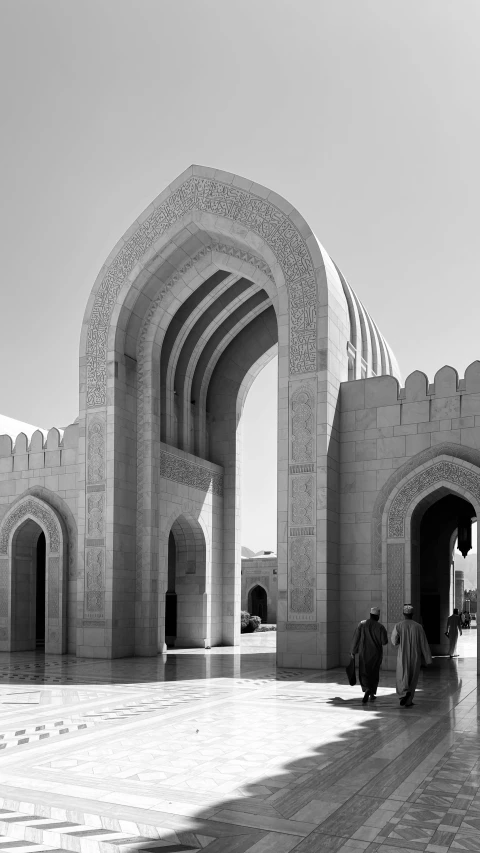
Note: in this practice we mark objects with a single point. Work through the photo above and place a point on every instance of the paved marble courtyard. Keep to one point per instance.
(218, 751)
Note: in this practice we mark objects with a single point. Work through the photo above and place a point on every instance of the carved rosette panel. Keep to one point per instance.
(302, 506)
(53, 637)
(302, 580)
(256, 214)
(53, 575)
(3, 587)
(303, 426)
(96, 515)
(96, 451)
(395, 580)
(95, 498)
(30, 509)
(94, 605)
(466, 479)
(303, 500)
(182, 470)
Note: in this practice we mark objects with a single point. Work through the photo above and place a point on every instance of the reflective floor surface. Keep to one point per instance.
(219, 751)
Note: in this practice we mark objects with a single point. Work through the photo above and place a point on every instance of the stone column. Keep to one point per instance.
(459, 588)
(308, 615)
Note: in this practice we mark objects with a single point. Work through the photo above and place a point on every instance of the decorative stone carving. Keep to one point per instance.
(395, 579)
(96, 515)
(3, 633)
(302, 531)
(181, 470)
(30, 508)
(302, 469)
(465, 478)
(301, 626)
(258, 215)
(302, 575)
(454, 451)
(3, 586)
(303, 425)
(95, 582)
(96, 451)
(53, 591)
(302, 506)
(302, 543)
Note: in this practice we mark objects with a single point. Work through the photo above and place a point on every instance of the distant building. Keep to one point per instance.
(259, 585)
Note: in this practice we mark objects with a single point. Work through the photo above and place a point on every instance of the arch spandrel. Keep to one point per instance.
(37, 510)
(467, 456)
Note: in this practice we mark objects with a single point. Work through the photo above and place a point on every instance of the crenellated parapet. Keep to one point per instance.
(53, 448)
(445, 398)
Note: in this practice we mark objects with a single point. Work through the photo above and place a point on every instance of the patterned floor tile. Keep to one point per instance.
(218, 751)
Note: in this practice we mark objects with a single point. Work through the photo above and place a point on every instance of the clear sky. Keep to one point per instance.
(363, 114)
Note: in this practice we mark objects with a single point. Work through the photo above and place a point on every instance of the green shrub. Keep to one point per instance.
(244, 621)
(255, 622)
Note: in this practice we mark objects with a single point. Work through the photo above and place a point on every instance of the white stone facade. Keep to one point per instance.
(212, 280)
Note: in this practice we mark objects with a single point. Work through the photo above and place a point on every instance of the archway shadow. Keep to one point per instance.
(325, 791)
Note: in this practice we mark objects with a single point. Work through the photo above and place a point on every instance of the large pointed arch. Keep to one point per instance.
(206, 228)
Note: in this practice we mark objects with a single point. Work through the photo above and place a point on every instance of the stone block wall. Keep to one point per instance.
(383, 426)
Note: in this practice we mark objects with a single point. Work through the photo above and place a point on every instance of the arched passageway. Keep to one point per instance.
(434, 533)
(258, 602)
(185, 597)
(28, 587)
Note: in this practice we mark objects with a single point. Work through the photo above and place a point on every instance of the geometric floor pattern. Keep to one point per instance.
(219, 751)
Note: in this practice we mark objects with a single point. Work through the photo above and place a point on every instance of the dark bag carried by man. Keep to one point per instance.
(350, 670)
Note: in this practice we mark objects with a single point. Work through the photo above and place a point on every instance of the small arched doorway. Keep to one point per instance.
(33, 581)
(28, 590)
(257, 602)
(185, 598)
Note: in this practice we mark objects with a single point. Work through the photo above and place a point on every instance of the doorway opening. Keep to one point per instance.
(435, 585)
(185, 600)
(171, 596)
(28, 587)
(40, 591)
(257, 602)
